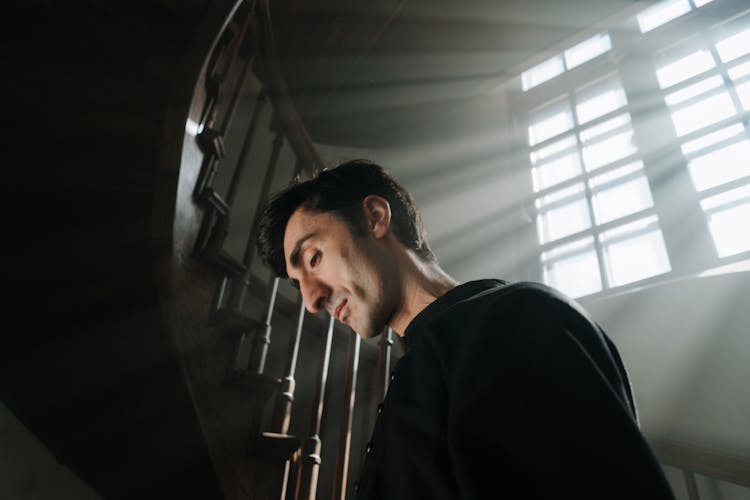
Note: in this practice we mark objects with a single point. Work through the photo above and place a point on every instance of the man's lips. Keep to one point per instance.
(337, 311)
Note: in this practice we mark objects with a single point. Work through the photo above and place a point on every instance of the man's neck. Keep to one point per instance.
(422, 283)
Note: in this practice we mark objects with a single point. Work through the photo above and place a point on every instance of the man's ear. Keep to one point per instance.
(377, 215)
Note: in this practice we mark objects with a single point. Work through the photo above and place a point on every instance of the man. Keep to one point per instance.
(506, 390)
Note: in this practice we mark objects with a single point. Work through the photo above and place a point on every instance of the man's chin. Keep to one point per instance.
(368, 332)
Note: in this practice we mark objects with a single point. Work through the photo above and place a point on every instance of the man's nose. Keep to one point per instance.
(314, 294)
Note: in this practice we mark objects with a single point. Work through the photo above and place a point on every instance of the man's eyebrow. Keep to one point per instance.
(294, 256)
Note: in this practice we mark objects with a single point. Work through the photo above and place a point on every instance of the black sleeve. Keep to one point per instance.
(532, 414)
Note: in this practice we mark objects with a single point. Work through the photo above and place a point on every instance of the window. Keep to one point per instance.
(634, 251)
(707, 93)
(665, 11)
(596, 210)
(726, 213)
(569, 59)
(588, 180)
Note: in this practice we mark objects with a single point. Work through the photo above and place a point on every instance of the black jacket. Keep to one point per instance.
(508, 391)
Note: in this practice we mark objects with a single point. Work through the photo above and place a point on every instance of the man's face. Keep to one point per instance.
(349, 276)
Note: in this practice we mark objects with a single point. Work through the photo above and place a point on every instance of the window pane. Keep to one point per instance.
(721, 166)
(693, 90)
(703, 113)
(737, 72)
(573, 268)
(550, 122)
(609, 150)
(722, 200)
(684, 68)
(567, 144)
(729, 229)
(743, 92)
(574, 191)
(620, 200)
(542, 72)
(630, 259)
(662, 13)
(712, 138)
(599, 100)
(734, 46)
(565, 219)
(553, 172)
(620, 122)
(603, 181)
(587, 50)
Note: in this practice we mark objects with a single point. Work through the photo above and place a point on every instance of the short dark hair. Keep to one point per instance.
(340, 190)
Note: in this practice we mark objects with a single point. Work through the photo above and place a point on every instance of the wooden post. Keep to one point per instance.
(307, 482)
(384, 365)
(345, 436)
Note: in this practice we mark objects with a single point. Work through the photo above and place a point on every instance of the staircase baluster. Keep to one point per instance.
(239, 170)
(220, 228)
(283, 409)
(239, 291)
(310, 461)
(236, 96)
(215, 78)
(345, 437)
(261, 341)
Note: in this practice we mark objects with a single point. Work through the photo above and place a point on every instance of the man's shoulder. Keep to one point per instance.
(511, 304)
(522, 292)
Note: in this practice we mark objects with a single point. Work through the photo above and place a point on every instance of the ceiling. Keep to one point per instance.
(394, 72)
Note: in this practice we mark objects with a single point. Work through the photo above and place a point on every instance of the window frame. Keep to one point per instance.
(629, 40)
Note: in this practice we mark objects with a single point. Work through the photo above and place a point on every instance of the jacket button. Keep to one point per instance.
(380, 408)
(356, 487)
(368, 449)
(393, 374)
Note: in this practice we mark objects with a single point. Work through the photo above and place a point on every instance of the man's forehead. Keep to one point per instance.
(301, 227)
(295, 227)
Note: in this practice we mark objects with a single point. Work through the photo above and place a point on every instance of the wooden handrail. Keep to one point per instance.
(701, 460)
(278, 92)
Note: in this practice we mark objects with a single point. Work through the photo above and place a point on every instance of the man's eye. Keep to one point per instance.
(315, 259)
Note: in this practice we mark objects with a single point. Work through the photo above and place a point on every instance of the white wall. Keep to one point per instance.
(686, 344)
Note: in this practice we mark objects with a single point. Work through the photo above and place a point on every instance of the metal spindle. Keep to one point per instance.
(310, 463)
(262, 338)
(220, 228)
(239, 169)
(283, 410)
(345, 436)
(237, 300)
(211, 139)
(384, 365)
(236, 95)
(692, 486)
(215, 79)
